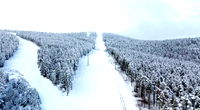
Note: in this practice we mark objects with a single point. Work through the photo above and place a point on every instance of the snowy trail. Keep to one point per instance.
(25, 61)
(97, 86)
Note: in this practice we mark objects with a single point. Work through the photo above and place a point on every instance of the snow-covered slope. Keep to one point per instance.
(97, 85)
(25, 61)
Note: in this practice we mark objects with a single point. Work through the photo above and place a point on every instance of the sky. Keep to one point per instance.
(140, 19)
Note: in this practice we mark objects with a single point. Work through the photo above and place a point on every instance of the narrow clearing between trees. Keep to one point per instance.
(97, 85)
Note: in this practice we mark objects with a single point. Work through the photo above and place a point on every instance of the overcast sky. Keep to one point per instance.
(141, 19)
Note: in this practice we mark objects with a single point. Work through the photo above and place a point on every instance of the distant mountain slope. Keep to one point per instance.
(183, 49)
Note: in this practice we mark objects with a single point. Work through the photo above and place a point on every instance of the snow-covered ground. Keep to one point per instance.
(97, 85)
(25, 61)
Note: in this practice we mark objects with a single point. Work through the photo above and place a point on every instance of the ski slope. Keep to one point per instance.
(97, 85)
(25, 61)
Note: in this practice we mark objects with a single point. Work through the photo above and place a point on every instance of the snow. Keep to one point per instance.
(13, 74)
(25, 61)
(97, 85)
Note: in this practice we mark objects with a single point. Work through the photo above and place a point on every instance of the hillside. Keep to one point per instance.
(71, 71)
(166, 73)
(88, 70)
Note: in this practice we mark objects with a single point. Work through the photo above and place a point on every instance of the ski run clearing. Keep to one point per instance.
(97, 85)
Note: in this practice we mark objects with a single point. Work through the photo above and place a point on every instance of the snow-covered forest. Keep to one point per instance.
(166, 73)
(8, 45)
(58, 58)
(59, 54)
(99, 54)
(15, 91)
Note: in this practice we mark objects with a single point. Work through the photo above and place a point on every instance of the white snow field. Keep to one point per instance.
(97, 85)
